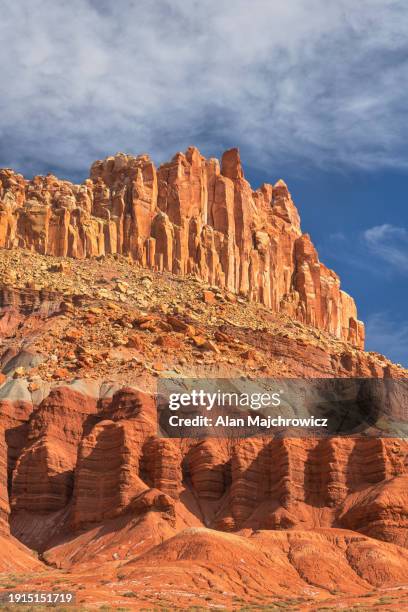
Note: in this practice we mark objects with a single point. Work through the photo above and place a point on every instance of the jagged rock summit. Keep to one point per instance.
(189, 216)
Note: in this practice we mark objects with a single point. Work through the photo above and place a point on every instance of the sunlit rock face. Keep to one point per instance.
(192, 215)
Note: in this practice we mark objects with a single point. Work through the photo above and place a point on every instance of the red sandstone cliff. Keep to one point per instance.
(188, 216)
(113, 510)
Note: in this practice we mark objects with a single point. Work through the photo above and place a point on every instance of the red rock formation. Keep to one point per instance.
(274, 562)
(76, 465)
(108, 470)
(189, 216)
(13, 438)
(380, 510)
(84, 478)
(162, 465)
(97, 464)
(4, 501)
(43, 474)
(16, 558)
(308, 483)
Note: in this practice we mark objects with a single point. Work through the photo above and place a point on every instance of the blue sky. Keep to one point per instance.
(311, 91)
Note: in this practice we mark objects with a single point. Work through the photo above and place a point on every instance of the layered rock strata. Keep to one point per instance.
(94, 460)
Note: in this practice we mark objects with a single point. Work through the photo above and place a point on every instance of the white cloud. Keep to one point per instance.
(306, 81)
(388, 337)
(381, 251)
(390, 244)
(376, 234)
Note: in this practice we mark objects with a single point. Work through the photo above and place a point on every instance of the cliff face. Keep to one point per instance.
(4, 504)
(78, 437)
(114, 510)
(95, 459)
(189, 216)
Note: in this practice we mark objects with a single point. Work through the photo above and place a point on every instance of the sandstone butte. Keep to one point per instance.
(189, 216)
(192, 273)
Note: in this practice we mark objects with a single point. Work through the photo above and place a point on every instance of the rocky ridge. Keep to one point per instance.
(190, 216)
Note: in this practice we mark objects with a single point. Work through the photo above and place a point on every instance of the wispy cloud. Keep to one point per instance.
(390, 244)
(376, 262)
(388, 337)
(306, 81)
(381, 250)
